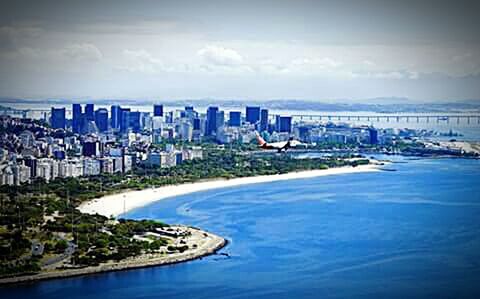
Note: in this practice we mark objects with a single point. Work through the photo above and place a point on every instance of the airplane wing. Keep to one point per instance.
(278, 144)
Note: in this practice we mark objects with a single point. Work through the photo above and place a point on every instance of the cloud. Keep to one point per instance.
(221, 56)
(394, 74)
(82, 52)
(142, 61)
(12, 37)
(322, 63)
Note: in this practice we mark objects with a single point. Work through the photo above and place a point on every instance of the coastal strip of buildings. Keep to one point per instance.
(95, 141)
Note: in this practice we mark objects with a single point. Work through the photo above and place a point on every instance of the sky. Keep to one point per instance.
(245, 50)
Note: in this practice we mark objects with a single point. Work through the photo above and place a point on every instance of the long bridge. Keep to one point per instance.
(425, 118)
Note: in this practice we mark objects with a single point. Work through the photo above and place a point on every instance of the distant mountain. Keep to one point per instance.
(381, 105)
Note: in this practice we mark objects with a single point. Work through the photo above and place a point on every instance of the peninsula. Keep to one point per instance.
(73, 226)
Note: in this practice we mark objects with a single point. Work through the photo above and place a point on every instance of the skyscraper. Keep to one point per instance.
(58, 118)
(235, 119)
(196, 123)
(124, 119)
(285, 124)
(89, 112)
(157, 110)
(190, 112)
(373, 135)
(263, 120)
(77, 117)
(134, 120)
(115, 114)
(101, 119)
(211, 120)
(252, 114)
(220, 119)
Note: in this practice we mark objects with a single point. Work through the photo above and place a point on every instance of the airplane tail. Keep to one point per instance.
(260, 140)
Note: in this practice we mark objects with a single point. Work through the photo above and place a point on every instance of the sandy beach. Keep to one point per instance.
(114, 205)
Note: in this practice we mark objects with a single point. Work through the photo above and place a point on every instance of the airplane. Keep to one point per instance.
(279, 146)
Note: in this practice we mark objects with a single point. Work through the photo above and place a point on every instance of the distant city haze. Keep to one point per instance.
(248, 50)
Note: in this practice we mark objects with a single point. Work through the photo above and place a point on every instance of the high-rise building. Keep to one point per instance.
(169, 117)
(196, 123)
(115, 114)
(186, 131)
(284, 124)
(235, 119)
(134, 119)
(373, 135)
(190, 112)
(211, 120)
(101, 119)
(263, 120)
(31, 162)
(220, 119)
(124, 119)
(157, 110)
(89, 112)
(304, 133)
(77, 117)
(58, 118)
(252, 114)
(90, 148)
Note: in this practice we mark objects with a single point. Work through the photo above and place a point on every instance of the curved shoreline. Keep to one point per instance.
(114, 205)
(213, 244)
(117, 204)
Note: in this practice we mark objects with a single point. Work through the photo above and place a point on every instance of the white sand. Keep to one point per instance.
(114, 205)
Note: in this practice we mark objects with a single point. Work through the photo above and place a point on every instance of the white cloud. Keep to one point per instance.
(142, 61)
(322, 63)
(394, 74)
(220, 56)
(82, 52)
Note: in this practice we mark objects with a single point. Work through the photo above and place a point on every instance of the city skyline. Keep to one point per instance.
(314, 50)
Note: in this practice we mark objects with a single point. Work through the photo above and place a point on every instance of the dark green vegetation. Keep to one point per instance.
(40, 226)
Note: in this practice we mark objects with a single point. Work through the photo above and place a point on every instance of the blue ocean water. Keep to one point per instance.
(410, 233)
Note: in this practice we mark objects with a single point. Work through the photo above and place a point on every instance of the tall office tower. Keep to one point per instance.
(134, 120)
(263, 120)
(157, 110)
(253, 114)
(89, 112)
(285, 124)
(124, 119)
(235, 119)
(220, 119)
(190, 112)
(101, 119)
(77, 118)
(277, 123)
(115, 115)
(58, 118)
(211, 120)
(186, 131)
(169, 117)
(196, 123)
(373, 135)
